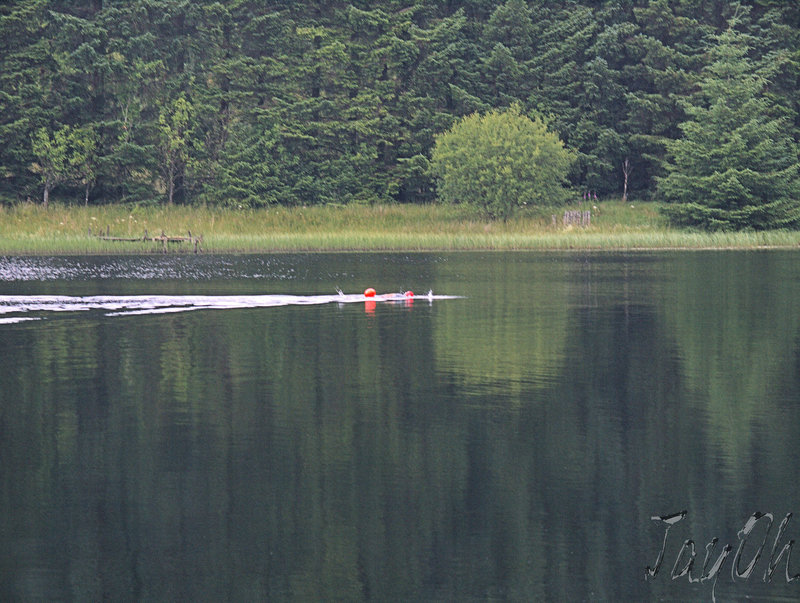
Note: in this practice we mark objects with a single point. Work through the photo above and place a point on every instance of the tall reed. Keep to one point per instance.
(30, 229)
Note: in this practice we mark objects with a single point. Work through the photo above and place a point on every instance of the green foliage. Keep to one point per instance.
(26, 73)
(51, 155)
(29, 228)
(735, 166)
(499, 161)
(83, 162)
(175, 123)
(66, 156)
(300, 103)
(666, 54)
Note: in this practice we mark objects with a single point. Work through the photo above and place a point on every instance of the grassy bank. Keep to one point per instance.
(29, 229)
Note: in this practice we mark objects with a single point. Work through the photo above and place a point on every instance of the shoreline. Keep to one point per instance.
(67, 251)
(31, 230)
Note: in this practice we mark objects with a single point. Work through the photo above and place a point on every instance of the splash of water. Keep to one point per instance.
(17, 308)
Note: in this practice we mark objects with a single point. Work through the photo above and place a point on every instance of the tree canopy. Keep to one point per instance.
(306, 102)
(499, 161)
(735, 166)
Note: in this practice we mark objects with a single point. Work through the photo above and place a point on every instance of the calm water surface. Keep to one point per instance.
(514, 443)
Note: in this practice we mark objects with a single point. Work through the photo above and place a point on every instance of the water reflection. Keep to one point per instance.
(515, 334)
(512, 444)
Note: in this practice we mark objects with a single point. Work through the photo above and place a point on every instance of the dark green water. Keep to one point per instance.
(514, 444)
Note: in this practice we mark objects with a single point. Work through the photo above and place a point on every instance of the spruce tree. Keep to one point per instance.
(27, 71)
(736, 165)
(666, 57)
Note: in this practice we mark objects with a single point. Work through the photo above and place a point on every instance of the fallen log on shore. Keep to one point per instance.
(163, 238)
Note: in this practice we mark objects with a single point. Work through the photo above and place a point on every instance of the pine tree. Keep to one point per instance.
(303, 102)
(27, 71)
(665, 60)
(735, 167)
(564, 88)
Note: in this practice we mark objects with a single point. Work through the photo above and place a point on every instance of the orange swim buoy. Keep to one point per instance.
(369, 292)
(409, 294)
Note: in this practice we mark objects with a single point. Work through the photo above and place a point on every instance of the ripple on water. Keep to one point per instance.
(35, 268)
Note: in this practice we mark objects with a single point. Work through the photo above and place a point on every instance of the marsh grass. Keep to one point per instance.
(30, 229)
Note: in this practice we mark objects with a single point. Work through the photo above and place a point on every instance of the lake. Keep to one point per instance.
(214, 428)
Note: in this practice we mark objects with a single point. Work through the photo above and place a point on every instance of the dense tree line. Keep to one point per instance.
(249, 102)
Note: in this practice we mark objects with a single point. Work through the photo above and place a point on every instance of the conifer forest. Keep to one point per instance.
(253, 103)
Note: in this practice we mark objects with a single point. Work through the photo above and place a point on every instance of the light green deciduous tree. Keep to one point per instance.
(175, 123)
(52, 158)
(499, 161)
(83, 159)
